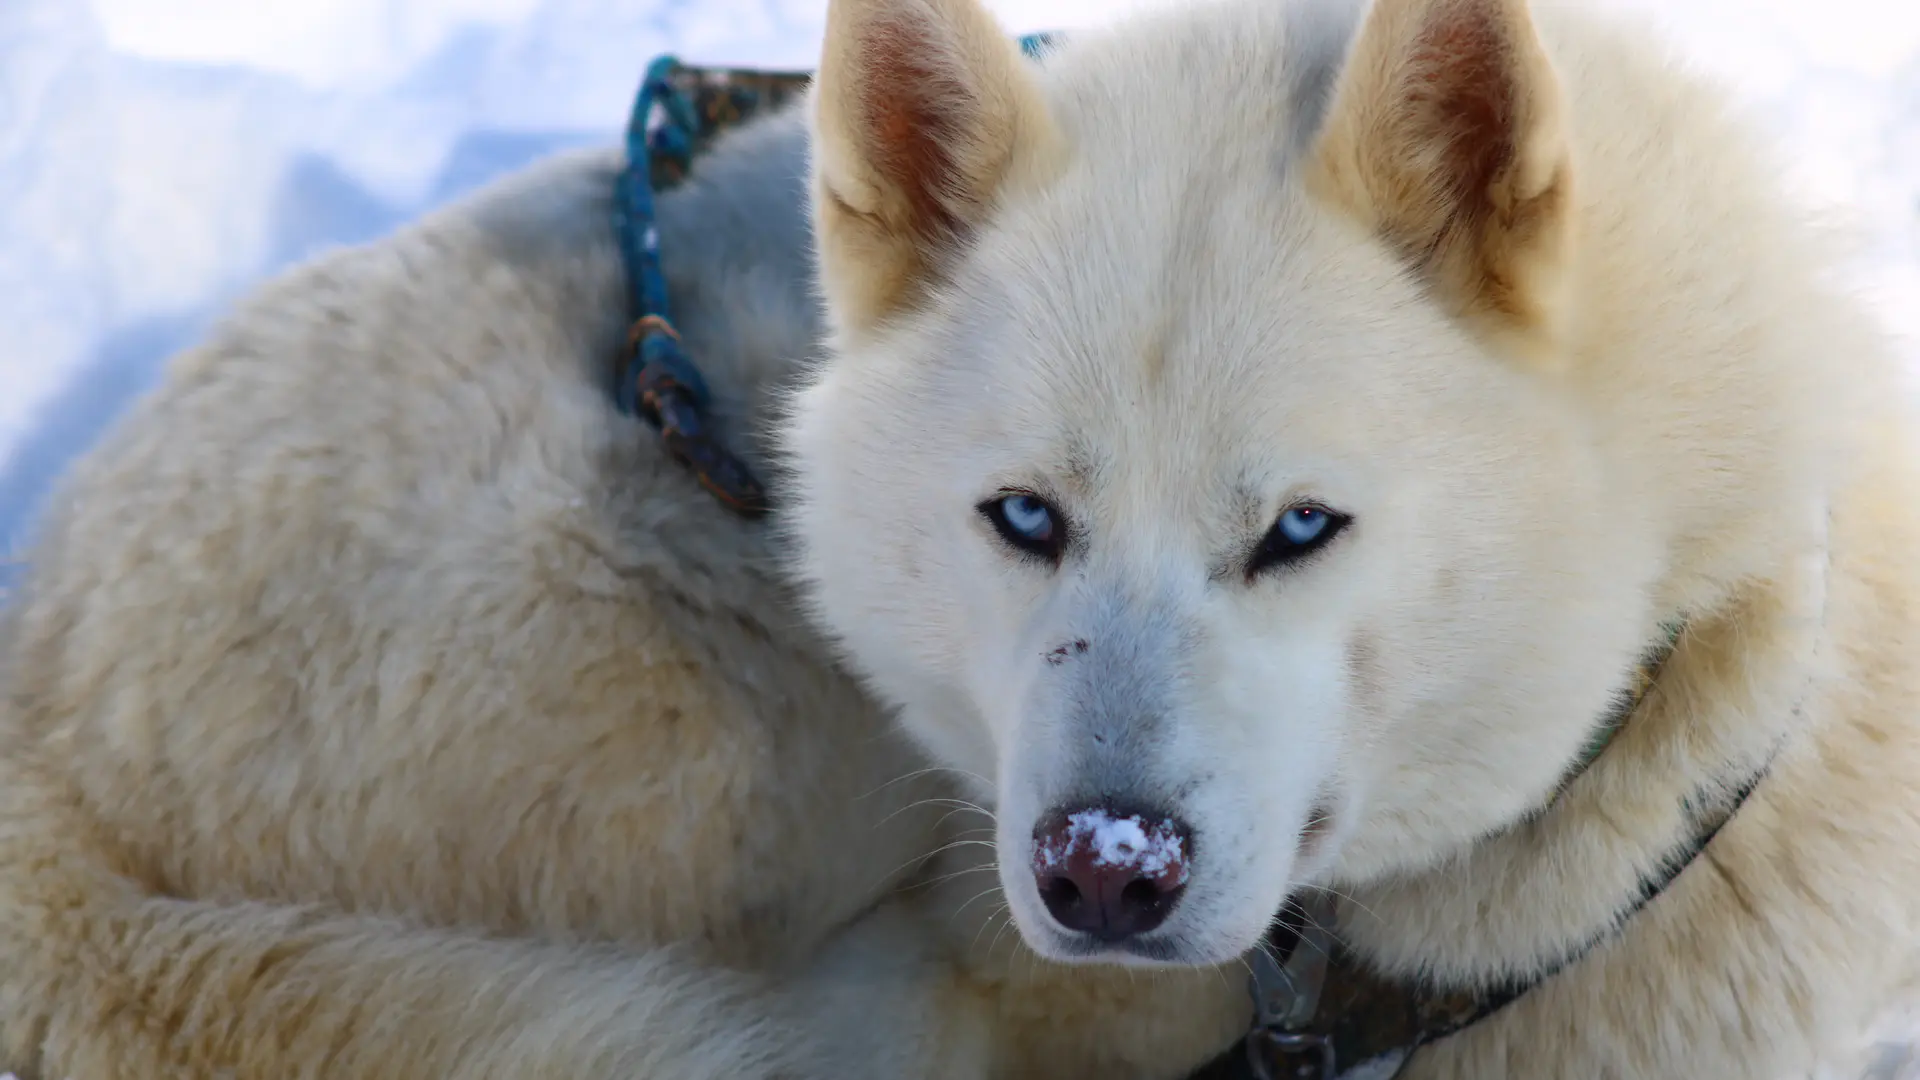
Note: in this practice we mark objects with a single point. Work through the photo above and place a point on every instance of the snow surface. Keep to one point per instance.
(159, 156)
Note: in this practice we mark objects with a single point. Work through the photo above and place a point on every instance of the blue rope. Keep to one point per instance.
(662, 124)
(657, 381)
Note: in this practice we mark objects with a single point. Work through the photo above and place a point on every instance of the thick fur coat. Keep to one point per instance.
(382, 703)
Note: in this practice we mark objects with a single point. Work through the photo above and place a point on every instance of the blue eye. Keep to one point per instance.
(1303, 524)
(1027, 522)
(1300, 531)
(1027, 516)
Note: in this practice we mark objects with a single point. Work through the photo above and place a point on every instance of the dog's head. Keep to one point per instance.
(1196, 463)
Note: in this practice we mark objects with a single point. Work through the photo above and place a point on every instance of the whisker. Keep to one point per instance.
(962, 810)
(1348, 897)
(929, 856)
(962, 804)
(951, 874)
(988, 891)
(1003, 909)
(917, 773)
(1004, 925)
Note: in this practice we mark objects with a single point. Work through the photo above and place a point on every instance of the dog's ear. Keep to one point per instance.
(921, 111)
(1445, 135)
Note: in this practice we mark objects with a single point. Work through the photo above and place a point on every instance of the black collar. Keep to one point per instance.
(1318, 1009)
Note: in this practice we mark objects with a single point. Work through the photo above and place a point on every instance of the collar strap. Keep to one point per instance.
(1639, 682)
(1355, 1017)
(1318, 1009)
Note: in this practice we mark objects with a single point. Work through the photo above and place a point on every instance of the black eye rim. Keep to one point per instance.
(1048, 550)
(1276, 552)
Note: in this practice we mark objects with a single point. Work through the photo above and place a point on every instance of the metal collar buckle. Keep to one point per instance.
(1280, 1055)
(1286, 996)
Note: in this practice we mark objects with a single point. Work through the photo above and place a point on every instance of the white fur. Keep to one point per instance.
(1222, 270)
(381, 703)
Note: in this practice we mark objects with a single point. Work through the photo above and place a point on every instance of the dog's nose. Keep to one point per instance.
(1110, 874)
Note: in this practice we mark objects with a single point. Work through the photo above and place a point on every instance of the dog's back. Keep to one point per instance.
(376, 617)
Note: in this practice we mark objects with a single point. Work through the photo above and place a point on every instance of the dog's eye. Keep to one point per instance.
(1303, 525)
(1300, 531)
(1027, 522)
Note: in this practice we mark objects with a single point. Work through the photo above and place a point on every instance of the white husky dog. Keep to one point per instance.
(1258, 447)
(1268, 438)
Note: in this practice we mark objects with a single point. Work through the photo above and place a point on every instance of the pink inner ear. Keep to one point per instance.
(914, 110)
(1462, 86)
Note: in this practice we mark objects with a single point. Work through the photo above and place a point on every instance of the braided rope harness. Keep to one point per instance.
(1317, 1009)
(678, 111)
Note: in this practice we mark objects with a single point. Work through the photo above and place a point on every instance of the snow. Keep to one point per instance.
(159, 156)
(1150, 849)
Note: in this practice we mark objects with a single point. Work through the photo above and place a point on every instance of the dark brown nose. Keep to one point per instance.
(1107, 873)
